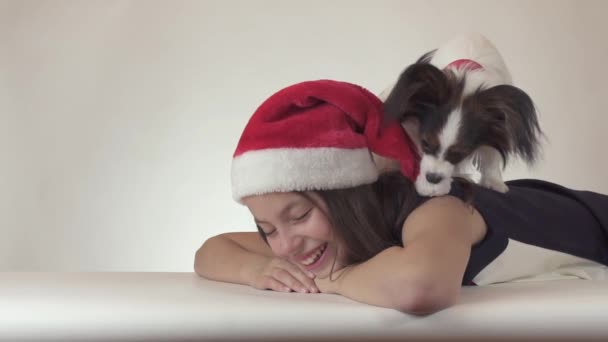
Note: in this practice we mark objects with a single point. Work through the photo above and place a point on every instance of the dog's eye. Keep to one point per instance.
(426, 147)
(426, 108)
(455, 157)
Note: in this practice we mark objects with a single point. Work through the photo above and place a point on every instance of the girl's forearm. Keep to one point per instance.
(386, 281)
(222, 259)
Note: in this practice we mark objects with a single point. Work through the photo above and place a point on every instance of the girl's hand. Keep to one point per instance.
(281, 275)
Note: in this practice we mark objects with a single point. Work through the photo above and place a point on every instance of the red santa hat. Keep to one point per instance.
(317, 135)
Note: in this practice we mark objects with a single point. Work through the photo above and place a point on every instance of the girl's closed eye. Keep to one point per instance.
(264, 232)
(301, 217)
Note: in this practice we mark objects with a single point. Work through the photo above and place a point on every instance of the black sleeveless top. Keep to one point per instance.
(535, 228)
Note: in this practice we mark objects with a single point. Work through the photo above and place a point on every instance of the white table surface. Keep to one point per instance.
(183, 306)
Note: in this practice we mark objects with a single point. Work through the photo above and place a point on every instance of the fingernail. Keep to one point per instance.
(286, 289)
(310, 274)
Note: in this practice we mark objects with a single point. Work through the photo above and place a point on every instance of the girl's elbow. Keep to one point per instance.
(198, 263)
(424, 299)
(201, 258)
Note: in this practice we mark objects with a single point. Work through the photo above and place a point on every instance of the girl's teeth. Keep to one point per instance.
(313, 258)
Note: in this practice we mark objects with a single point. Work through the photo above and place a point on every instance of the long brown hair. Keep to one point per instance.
(369, 218)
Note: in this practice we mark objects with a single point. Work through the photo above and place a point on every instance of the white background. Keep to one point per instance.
(118, 119)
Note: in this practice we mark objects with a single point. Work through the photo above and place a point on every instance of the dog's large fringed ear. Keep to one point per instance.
(420, 88)
(512, 108)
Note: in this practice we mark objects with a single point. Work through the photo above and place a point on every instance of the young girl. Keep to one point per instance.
(329, 222)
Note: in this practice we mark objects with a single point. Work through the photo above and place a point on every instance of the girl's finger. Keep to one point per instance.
(302, 276)
(288, 279)
(275, 285)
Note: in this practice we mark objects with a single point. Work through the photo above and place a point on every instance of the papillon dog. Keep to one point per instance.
(458, 105)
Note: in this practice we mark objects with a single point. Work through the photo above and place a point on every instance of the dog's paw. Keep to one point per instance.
(494, 184)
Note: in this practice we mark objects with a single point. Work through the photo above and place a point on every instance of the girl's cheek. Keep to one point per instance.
(272, 247)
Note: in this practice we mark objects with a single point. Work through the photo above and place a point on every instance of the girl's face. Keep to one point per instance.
(298, 230)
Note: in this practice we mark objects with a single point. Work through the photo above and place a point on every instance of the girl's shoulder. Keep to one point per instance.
(445, 215)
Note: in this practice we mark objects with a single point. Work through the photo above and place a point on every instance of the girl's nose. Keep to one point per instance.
(288, 245)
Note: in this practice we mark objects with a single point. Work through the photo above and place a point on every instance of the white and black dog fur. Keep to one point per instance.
(457, 103)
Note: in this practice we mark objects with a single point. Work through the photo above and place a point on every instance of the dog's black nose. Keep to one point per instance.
(434, 178)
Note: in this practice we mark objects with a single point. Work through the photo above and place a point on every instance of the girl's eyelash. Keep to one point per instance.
(265, 233)
(303, 216)
(296, 219)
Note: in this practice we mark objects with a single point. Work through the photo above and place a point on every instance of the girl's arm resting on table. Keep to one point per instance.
(426, 275)
(230, 257)
(244, 258)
